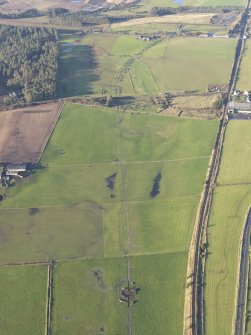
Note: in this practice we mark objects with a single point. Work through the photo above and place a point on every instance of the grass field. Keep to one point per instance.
(76, 284)
(225, 227)
(85, 303)
(195, 18)
(190, 64)
(236, 166)
(244, 80)
(73, 187)
(23, 299)
(158, 276)
(216, 2)
(92, 64)
(147, 28)
(66, 211)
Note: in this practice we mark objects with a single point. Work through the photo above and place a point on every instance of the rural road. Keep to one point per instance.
(197, 293)
(240, 309)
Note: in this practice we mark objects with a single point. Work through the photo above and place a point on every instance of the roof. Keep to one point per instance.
(244, 106)
(18, 167)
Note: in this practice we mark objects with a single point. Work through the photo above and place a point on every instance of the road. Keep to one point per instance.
(243, 275)
(197, 289)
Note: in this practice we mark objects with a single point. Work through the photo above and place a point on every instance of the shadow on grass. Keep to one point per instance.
(76, 71)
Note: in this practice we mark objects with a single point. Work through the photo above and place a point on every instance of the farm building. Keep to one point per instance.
(239, 107)
(15, 169)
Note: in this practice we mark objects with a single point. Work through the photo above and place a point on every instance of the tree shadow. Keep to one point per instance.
(77, 70)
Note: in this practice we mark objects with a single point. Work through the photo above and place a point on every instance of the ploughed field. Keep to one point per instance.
(127, 65)
(25, 132)
(233, 193)
(116, 199)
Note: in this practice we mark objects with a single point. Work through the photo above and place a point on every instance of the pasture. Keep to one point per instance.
(233, 193)
(224, 233)
(73, 183)
(91, 64)
(195, 18)
(244, 78)
(190, 63)
(129, 185)
(94, 65)
(23, 299)
(86, 297)
(236, 165)
(157, 276)
(95, 285)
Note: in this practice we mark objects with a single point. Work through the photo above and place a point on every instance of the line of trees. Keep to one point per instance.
(29, 61)
(76, 19)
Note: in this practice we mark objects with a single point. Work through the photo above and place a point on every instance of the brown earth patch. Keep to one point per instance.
(26, 131)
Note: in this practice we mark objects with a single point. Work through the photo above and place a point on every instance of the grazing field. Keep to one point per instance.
(182, 64)
(225, 227)
(25, 132)
(99, 282)
(23, 299)
(195, 18)
(112, 184)
(93, 64)
(236, 165)
(158, 276)
(19, 6)
(147, 28)
(216, 3)
(244, 79)
(86, 297)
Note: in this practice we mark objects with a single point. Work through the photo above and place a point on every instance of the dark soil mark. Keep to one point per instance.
(98, 275)
(34, 211)
(156, 186)
(110, 181)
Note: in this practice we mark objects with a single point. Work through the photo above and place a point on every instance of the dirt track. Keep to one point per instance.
(25, 132)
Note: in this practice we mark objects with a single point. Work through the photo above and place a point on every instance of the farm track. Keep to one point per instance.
(194, 296)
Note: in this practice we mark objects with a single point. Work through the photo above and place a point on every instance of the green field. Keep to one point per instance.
(182, 64)
(148, 28)
(216, 2)
(23, 300)
(85, 303)
(92, 64)
(244, 80)
(76, 286)
(225, 227)
(66, 211)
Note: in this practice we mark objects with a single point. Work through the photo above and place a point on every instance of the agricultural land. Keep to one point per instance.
(114, 112)
(68, 210)
(233, 193)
